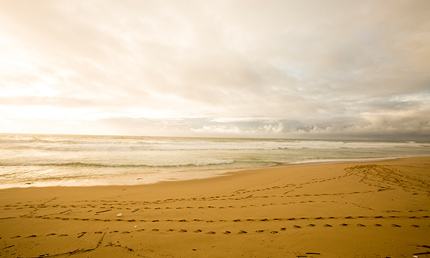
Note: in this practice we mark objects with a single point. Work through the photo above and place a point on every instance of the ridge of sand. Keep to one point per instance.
(368, 209)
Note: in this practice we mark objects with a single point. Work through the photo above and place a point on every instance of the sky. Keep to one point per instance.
(311, 69)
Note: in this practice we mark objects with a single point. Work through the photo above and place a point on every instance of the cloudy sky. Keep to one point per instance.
(294, 69)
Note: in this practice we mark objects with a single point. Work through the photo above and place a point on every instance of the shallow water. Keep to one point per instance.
(73, 160)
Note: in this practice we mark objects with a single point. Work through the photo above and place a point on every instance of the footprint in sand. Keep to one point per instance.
(312, 253)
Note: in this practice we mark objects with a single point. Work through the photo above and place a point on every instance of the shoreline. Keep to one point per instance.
(132, 180)
(320, 210)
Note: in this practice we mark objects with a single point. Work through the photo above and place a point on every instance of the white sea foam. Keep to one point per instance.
(41, 160)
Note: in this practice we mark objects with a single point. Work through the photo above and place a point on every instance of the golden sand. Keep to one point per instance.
(370, 209)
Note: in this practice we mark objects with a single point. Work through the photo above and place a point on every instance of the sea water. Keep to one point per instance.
(76, 160)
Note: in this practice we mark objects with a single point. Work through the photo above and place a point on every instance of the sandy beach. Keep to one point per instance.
(366, 209)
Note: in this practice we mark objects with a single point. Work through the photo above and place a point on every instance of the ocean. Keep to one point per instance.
(77, 160)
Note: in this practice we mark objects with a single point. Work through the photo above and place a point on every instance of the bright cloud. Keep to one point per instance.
(274, 128)
(330, 69)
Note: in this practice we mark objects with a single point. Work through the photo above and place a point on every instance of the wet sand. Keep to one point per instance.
(369, 209)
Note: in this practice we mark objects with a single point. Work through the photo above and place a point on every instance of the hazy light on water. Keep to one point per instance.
(105, 160)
